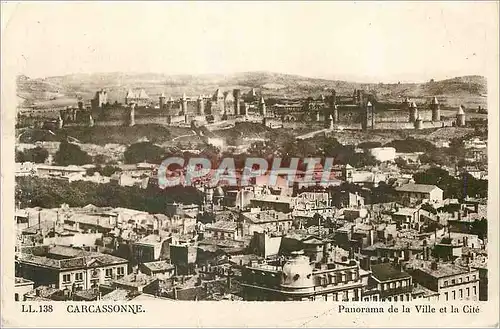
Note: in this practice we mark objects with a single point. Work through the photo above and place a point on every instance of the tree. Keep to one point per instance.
(36, 155)
(144, 151)
(71, 154)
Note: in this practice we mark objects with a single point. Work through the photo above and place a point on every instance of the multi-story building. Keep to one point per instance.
(68, 268)
(297, 279)
(419, 192)
(388, 283)
(451, 281)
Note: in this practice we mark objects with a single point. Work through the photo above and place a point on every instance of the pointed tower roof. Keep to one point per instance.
(170, 99)
(262, 100)
(434, 100)
(419, 118)
(218, 94)
(143, 95)
(461, 110)
(413, 105)
(183, 96)
(368, 104)
(130, 94)
(330, 117)
(200, 97)
(407, 100)
(162, 95)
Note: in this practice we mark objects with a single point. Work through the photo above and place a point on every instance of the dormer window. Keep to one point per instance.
(296, 277)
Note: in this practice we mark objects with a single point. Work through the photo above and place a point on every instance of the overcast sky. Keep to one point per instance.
(364, 41)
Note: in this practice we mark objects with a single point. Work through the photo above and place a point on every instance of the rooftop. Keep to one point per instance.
(158, 266)
(225, 226)
(79, 258)
(387, 272)
(135, 280)
(442, 270)
(420, 188)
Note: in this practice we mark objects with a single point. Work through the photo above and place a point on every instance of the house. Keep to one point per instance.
(152, 248)
(223, 230)
(68, 268)
(410, 193)
(160, 269)
(138, 282)
(22, 286)
(388, 283)
(450, 281)
(258, 220)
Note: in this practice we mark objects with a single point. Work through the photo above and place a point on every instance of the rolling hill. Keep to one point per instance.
(66, 90)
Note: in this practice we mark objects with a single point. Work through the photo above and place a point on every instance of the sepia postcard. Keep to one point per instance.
(249, 164)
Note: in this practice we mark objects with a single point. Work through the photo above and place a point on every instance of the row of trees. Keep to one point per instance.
(51, 193)
(464, 185)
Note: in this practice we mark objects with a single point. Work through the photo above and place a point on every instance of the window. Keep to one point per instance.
(375, 298)
(109, 272)
(461, 293)
(16, 297)
(395, 298)
(474, 290)
(467, 278)
(446, 296)
(454, 295)
(78, 276)
(468, 292)
(460, 280)
(120, 271)
(446, 283)
(453, 281)
(473, 278)
(66, 277)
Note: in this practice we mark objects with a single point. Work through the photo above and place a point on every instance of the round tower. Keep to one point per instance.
(60, 122)
(436, 115)
(418, 122)
(335, 113)
(184, 104)
(368, 117)
(201, 106)
(262, 106)
(413, 111)
(132, 115)
(237, 100)
(162, 101)
(460, 117)
(330, 122)
(246, 106)
(170, 104)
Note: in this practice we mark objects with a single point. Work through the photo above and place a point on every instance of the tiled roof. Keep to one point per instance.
(159, 266)
(420, 188)
(84, 259)
(225, 226)
(387, 271)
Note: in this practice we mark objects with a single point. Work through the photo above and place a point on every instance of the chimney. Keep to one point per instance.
(434, 266)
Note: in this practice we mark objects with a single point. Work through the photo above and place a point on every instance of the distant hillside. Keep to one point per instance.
(59, 90)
